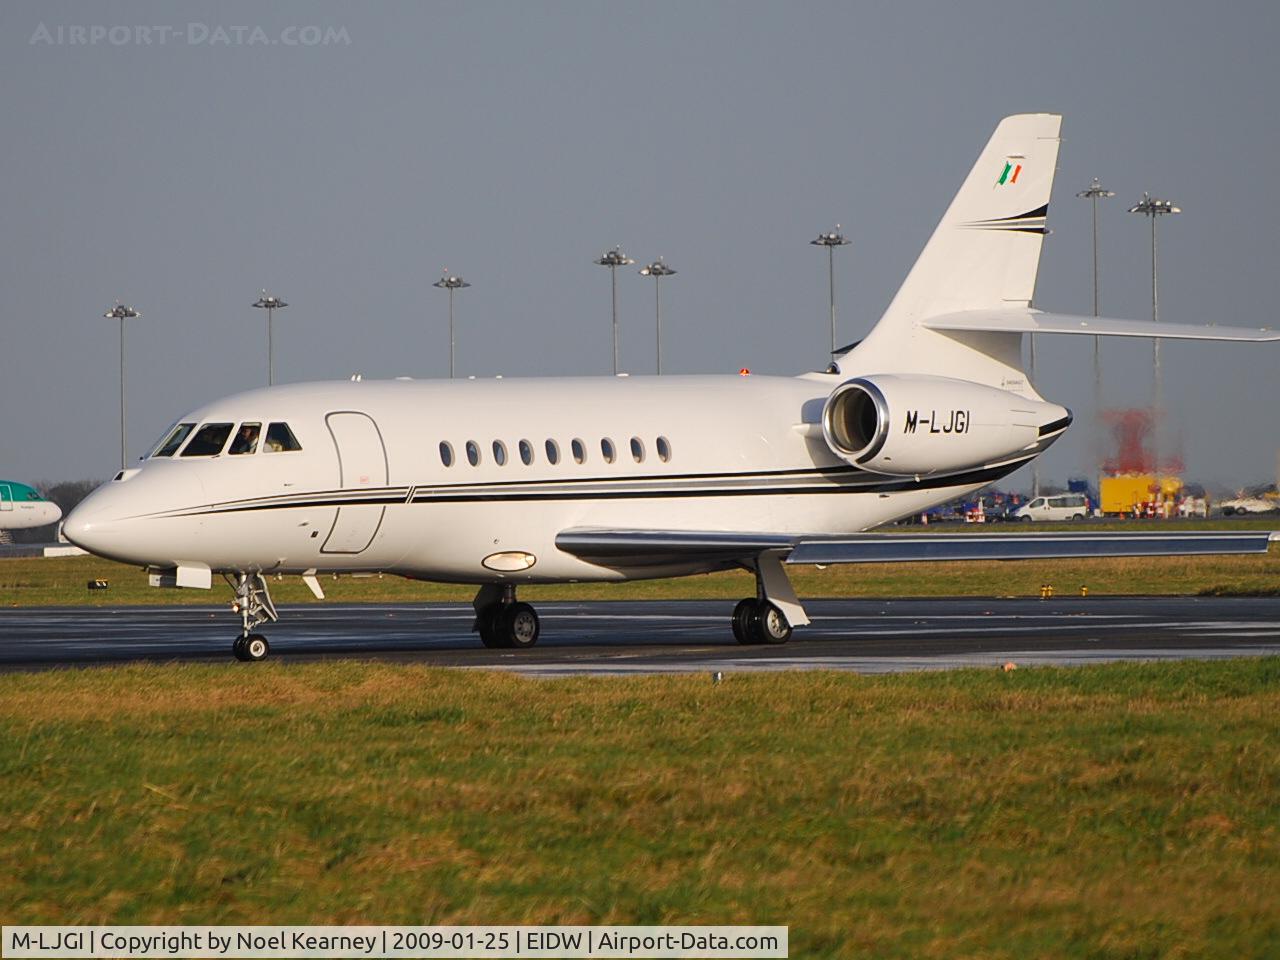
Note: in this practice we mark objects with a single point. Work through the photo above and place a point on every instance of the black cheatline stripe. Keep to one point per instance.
(985, 475)
(1029, 215)
(1057, 425)
(403, 494)
(1006, 229)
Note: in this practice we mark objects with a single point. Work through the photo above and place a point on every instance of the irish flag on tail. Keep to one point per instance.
(1010, 173)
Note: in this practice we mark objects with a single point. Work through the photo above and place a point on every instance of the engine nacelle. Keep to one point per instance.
(907, 426)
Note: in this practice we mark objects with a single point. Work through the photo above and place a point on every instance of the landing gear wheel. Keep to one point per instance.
(487, 626)
(237, 648)
(768, 625)
(256, 647)
(519, 626)
(742, 614)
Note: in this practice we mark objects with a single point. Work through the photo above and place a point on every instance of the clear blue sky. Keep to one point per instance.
(514, 143)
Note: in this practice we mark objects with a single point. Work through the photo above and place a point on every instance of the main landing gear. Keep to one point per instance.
(253, 603)
(756, 620)
(502, 621)
(768, 616)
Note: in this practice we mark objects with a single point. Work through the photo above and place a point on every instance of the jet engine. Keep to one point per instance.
(911, 426)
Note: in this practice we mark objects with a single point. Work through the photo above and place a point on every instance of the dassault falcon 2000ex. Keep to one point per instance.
(506, 482)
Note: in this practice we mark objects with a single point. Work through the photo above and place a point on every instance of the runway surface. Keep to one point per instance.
(626, 637)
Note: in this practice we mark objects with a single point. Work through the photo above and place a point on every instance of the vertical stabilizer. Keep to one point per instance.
(984, 254)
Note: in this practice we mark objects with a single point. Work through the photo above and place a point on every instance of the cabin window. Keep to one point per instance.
(553, 452)
(500, 453)
(526, 452)
(246, 439)
(446, 453)
(664, 449)
(637, 450)
(473, 453)
(209, 440)
(169, 446)
(280, 439)
(579, 451)
(606, 450)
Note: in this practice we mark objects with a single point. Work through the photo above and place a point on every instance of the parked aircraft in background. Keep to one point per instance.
(508, 481)
(22, 507)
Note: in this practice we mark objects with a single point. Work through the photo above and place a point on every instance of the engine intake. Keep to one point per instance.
(902, 425)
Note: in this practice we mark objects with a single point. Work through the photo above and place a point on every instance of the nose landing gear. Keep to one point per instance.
(503, 622)
(253, 603)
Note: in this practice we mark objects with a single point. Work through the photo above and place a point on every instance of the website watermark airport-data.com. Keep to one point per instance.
(191, 34)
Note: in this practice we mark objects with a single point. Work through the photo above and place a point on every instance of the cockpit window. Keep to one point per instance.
(208, 441)
(246, 439)
(280, 438)
(169, 446)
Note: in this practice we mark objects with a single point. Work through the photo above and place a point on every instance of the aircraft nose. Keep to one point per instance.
(123, 519)
(87, 525)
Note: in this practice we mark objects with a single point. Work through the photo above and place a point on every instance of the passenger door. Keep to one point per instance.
(362, 462)
(6, 498)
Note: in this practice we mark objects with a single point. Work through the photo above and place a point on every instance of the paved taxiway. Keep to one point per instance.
(671, 636)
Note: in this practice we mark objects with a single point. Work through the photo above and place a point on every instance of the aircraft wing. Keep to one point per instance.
(1037, 321)
(624, 548)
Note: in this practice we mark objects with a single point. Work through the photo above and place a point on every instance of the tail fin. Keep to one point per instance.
(984, 254)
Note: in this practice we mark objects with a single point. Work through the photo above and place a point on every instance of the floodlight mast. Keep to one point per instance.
(122, 313)
(658, 269)
(271, 304)
(614, 259)
(831, 240)
(1094, 193)
(451, 283)
(1155, 208)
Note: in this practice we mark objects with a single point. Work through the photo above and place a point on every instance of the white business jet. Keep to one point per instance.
(505, 482)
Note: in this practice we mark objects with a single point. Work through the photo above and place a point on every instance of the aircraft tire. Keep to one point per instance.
(237, 648)
(741, 620)
(519, 626)
(768, 625)
(489, 627)
(255, 647)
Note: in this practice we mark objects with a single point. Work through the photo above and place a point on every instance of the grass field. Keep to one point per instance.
(29, 582)
(1109, 812)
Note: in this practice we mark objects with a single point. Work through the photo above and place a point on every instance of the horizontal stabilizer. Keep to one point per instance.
(655, 547)
(1037, 321)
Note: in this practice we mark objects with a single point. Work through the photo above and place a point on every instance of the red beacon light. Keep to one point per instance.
(744, 372)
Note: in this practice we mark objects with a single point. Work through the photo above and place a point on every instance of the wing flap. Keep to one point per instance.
(649, 547)
(908, 548)
(655, 547)
(1037, 321)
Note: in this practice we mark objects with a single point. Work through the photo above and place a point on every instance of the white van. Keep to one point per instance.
(1068, 506)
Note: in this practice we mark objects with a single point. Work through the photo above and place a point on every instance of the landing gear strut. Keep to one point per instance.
(768, 616)
(253, 603)
(502, 621)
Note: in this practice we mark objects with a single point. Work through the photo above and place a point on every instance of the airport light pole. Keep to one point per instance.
(1094, 193)
(614, 259)
(1154, 208)
(451, 283)
(122, 313)
(658, 269)
(270, 304)
(831, 240)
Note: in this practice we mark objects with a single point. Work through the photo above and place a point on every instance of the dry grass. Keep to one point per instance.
(1118, 811)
